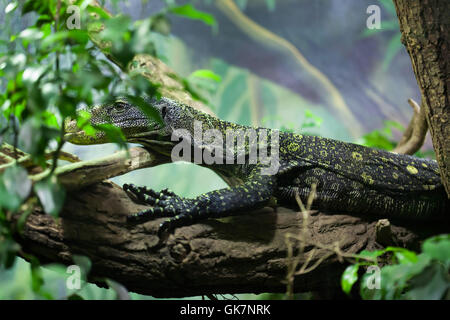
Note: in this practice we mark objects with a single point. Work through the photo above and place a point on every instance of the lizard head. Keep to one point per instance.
(151, 128)
(135, 122)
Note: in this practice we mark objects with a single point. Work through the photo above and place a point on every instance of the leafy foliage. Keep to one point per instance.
(384, 139)
(188, 11)
(409, 275)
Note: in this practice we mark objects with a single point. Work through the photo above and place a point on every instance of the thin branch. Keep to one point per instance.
(80, 174)
(414, 135)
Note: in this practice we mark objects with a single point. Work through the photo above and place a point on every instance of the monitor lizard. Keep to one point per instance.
(347, 177)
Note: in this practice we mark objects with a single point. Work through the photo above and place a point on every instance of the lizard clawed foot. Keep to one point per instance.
(162, 203)
(148, 196)
(165, 204)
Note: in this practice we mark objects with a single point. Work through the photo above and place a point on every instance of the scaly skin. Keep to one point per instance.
(348, 177)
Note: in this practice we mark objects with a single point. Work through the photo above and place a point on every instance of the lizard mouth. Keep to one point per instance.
(77, 136)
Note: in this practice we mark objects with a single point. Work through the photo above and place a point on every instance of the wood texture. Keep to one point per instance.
(425, 27)
(242, 254)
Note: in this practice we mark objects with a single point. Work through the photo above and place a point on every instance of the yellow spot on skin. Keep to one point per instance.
(424, 165)
(293, 147)
(395, 175)
(357, 156)
(412, 169)
(429, 186)
(367, 178)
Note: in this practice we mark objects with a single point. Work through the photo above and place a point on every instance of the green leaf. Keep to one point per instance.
(19, 60)
(83, 122)
(403, 255)
(36, 278)
(394, 47)
(349, 277)
(61, 37)
(188, 11)
(311, 120)
(33, 73)
(150, 111)
(117, 32)
(270, 4)
(30, 135)
(15, 186)
(438, 248)
(100, 11)
(207, 74)
(161, 24)
(8, 252)
(120, 290)
(11, 6)
(113, 133)
(51, 194)
(371, 254)
(389, 6)
(431, 284)
(22, 219)
(84, 263)
(31, 34)
(394, 124)
(50, 119)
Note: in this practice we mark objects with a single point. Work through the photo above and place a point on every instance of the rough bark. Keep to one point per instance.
(425, 27)
(245, 253)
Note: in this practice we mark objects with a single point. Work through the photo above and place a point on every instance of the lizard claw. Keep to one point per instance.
(165, 204)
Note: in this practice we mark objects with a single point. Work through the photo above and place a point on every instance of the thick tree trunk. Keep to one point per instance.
(242, 254)
(425, 27)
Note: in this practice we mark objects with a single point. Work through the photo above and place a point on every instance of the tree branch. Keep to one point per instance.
(414, 135)
(425, 34)
(246, 253)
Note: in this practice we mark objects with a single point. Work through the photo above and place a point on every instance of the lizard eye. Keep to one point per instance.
(119, 107)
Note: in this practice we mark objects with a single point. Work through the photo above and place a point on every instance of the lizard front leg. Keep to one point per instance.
(254, 193)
